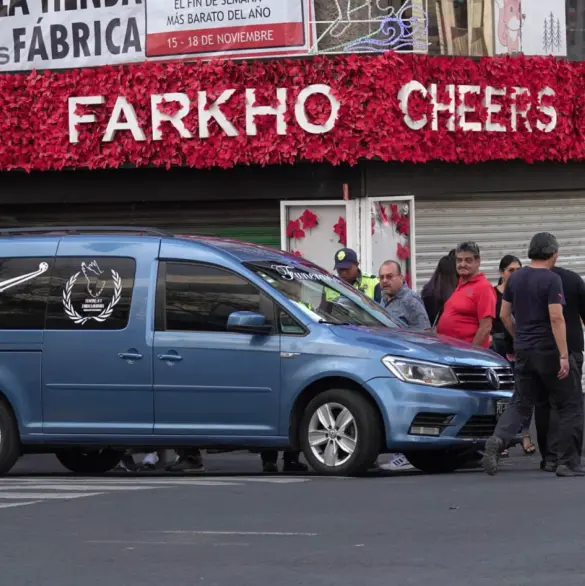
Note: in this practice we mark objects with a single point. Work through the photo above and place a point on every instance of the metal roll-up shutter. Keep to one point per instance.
(500, 224)
(255, 221)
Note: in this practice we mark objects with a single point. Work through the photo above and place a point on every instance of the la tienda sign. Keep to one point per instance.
(328, 109)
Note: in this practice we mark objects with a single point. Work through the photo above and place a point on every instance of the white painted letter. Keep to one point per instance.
(205, 115)
(463, 108)
(253, 111)
(492, 108)
(440, 107)
(75, 119)
(122, 106)
(301, 113)
(548, 110)
(523, 113)
(403, 95)
(175, 119)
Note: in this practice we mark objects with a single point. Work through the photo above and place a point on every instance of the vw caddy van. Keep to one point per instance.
(119, 338)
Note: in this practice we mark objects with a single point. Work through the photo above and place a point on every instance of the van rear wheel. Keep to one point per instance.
(89, 461)
(9, 439)
(340, 434)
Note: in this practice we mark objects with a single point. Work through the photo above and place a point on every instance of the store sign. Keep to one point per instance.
(123, 115)
(56, 34)
(228, 27)
(460, 114)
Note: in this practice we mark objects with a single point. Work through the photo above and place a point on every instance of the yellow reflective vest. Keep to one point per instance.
(364, 283)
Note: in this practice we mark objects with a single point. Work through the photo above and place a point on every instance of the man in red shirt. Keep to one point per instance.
(469, 312)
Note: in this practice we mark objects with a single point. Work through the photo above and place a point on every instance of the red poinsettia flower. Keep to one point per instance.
(402, 251)
(383, 214)
(294, 230)
(341, 230)
(395, 216)
(403, 225)
(296, 252)
(309, 220)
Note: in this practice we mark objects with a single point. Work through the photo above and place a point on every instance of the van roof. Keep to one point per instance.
(243, 251)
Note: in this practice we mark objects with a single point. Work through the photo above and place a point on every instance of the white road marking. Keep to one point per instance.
(260, 533)
(46, 495)
(74, 487)
(11, 505)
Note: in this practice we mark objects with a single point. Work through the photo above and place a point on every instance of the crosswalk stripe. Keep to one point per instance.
(12, 505)
(74, 487)
(46, 495)
(133, 481)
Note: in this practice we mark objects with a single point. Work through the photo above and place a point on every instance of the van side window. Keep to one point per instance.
(91, 293)
(24, 290)
(200, 298)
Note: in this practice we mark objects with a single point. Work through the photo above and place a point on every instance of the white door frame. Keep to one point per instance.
(366, 231)
(351, 218)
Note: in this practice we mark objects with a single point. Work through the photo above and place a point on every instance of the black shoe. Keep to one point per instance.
(548, 466)
(294, 466)
(564, 471)
(269, 467)
(493, 449)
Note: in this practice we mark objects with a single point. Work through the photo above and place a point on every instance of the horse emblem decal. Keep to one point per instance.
(94, 307)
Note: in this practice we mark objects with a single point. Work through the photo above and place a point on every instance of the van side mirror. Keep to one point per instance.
(248, 322)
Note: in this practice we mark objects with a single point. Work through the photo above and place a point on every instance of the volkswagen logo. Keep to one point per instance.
(493, 378)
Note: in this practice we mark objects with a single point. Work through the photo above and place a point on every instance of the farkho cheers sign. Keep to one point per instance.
(336, 110)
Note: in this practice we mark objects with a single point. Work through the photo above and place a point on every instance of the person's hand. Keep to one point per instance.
(511, 357)
(564, 371)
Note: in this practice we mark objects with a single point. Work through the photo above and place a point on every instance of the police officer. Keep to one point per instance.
(347, 267)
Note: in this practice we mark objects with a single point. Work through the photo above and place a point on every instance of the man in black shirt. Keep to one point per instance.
(574, 312)
(534, 294)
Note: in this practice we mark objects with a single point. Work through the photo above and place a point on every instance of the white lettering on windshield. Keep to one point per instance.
(288, 274)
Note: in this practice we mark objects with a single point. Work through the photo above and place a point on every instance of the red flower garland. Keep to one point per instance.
(370, 123)
(340, 229)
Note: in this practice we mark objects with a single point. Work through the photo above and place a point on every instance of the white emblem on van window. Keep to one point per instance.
(94, 304)
(9, 283)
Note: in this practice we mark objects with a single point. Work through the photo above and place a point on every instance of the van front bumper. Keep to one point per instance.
(423, 417)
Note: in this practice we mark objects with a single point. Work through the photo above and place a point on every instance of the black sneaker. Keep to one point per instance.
(294, 467)
(189, 464)
(493, 449)
(269, 467)
(548, 466)
(564, 471)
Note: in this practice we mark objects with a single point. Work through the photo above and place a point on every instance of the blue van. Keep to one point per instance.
(117, 338)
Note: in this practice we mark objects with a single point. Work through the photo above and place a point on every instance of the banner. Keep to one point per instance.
(228, 28)
(64, 34)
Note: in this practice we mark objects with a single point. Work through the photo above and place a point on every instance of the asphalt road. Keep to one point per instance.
(234, 527)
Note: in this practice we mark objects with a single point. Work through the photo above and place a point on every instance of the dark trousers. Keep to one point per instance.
(547, 421)
(536, 376)
(499, 346)
(271, 456)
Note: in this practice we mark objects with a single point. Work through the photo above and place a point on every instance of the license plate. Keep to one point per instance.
(501, 406)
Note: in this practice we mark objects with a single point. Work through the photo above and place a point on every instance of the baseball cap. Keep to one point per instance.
(345, 258)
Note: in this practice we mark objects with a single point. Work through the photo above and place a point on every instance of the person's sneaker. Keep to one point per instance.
(294, 466)
(548, 466)
(493, 449)
(269, 467)
(564, 471)
(188, 464)
(398, 463)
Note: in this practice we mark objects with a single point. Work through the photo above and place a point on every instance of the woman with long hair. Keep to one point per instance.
(502, 342)
(440, 287)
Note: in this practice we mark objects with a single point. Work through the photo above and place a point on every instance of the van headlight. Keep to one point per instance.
(420, 372)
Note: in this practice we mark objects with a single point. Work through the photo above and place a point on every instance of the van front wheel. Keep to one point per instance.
(90, 461)
(340, 434)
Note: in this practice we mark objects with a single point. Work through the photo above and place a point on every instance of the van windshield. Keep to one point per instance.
(322, 296)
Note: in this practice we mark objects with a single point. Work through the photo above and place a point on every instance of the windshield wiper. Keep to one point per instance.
(335, 323)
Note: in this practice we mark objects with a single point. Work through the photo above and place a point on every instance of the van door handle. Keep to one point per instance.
(170, 357)
(131, 355)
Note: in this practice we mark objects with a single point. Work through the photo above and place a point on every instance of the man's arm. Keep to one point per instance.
(417, 314)
(556, 301)
(507, 319)
(581, 296)
(486, 312)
